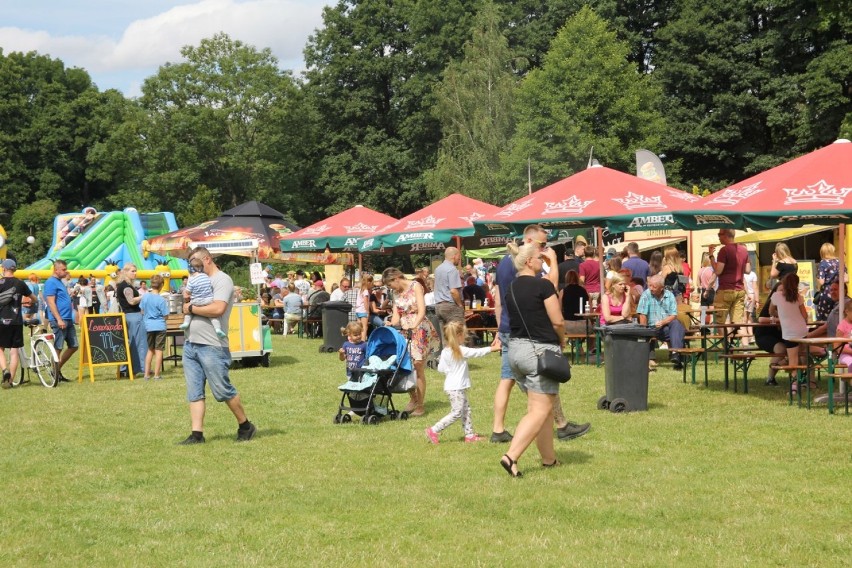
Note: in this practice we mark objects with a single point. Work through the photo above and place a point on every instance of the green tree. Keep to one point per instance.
(36, 219)
(371, 71)
(208, 125)
(46, 131)
(733, 76)
(586, 94)
(474, 104)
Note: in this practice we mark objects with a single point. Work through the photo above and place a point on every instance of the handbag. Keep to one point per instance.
(551, 364)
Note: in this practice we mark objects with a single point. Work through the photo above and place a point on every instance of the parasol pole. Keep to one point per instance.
(600, 247)
(841, 276)
(529, 176)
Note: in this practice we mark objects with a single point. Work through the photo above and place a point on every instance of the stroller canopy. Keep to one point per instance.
(386, 341)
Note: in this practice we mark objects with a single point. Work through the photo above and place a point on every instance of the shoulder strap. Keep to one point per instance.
(520, 314)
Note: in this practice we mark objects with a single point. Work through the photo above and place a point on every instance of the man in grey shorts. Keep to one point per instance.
(206, 356)
(448, 288)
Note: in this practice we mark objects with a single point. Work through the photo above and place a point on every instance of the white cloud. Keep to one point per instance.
(283, 26)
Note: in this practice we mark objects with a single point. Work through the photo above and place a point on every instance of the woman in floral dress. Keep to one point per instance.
(409, 312)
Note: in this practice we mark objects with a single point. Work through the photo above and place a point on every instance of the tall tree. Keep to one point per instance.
(371, 71)
(46, 129)
(474, 105)
(209, 126)
(732, 73)
(586, 94)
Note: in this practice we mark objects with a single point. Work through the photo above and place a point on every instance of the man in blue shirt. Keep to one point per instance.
(657, 307)
(637, 266)
(60, 314)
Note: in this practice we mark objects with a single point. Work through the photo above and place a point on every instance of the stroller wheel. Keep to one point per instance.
(403, 415)
(393, 415)
(372, 420)
(345, 419)
(337, 418)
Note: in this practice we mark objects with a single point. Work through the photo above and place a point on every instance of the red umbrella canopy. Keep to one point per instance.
(435, 226)
(599, 197)
(814, 188)
(339, 232)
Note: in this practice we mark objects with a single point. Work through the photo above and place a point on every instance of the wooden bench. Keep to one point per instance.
(575, 341)
(489, 333)
(844, 378)
(742, 360)
(693, 354)
(801, 380)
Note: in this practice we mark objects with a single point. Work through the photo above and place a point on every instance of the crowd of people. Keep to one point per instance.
(536, 300)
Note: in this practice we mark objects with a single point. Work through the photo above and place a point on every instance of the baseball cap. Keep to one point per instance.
(610, 252)
(9, 264)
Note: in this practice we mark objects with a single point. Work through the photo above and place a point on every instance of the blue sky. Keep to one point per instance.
(121, 42)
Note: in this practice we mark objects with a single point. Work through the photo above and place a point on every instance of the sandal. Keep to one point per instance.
(508, 466)
(554, 463)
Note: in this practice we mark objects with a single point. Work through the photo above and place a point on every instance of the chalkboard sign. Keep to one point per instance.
(104, 343)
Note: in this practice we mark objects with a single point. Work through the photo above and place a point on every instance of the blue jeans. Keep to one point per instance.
(138, 339)
(63, 336)
(672, 334)
(207, 364)
(505, 368)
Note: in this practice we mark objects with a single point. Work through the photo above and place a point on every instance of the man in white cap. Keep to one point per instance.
(12, 293)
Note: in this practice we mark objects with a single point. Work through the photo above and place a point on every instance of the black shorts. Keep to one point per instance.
(156, 340)
(11, 336)
(767, 341)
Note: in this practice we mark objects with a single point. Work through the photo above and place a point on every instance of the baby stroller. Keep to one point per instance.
(387, 370)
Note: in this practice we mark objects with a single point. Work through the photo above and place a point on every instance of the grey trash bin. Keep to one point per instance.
(626, 349)
(335, 315)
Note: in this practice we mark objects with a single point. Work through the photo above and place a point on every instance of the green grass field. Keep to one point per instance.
(706, 477)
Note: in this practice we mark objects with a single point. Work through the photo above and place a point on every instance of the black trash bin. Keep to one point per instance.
(626, 350)
(335, 315)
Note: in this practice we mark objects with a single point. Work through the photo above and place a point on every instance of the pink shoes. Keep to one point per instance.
(473, 438)
(432, 436)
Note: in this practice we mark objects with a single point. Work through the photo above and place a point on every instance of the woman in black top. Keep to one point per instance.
(573, 298)
(128, 299)
(536, 324)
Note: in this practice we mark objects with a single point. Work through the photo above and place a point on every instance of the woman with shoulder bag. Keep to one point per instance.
(536, 325)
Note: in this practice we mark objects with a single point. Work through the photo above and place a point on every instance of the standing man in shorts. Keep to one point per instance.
(506, 274)
(448, 288)
(206, 356)
(12, 293)
(730, 268)
(60, 314)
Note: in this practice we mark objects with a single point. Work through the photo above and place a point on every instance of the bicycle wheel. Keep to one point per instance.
(45, 363)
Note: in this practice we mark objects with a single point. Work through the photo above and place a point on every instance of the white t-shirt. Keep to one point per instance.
(793, 325)
(456, 371)
(750, 281)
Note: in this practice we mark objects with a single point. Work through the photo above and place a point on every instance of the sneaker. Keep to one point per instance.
(63, 378)
(192, 440)
(500, 438)
(433, 437)
(221, 333)
(183, 326)
(246, 435)
(652, 364)
(158, 378)
(473, 438)
(771, 382)
(572, 430)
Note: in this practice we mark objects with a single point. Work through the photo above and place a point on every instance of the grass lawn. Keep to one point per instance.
(706, 477)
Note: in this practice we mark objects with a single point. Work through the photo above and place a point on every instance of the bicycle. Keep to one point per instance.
(42, 358)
